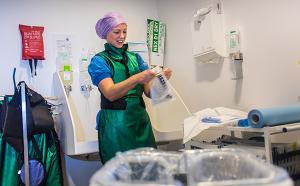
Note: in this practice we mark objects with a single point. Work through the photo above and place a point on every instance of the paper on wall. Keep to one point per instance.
(141, 49)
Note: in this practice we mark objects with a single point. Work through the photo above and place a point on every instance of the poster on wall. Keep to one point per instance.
(156, 33)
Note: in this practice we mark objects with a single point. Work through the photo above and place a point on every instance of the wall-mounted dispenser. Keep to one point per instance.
(234, 50)
(64, 60)
(208, 33)
(84, 77)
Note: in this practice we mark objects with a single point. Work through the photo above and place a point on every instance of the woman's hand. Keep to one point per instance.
(146, 76)
(114, 91)
(167, 72)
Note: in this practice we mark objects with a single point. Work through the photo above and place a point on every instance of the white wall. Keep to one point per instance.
(270, 44)
(74, 17)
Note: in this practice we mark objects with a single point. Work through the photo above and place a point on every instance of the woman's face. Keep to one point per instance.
(117, 36)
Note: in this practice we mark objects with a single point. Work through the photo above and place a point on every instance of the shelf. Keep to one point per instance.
(272, 130)
(267, 132)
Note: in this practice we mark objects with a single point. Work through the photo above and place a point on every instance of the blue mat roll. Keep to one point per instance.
(259, 118)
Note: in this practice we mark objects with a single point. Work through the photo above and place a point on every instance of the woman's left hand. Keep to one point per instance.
(167, 72)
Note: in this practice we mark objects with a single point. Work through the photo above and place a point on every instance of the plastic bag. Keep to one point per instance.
(160, 89)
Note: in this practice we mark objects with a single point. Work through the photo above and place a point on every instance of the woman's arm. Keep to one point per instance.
(114, 91)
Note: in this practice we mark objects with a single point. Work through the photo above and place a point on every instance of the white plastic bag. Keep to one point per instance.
(160, 89)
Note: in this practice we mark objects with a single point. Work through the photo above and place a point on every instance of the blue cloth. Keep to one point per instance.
(99, 69)
(243, 123)
(259, 118)
(210, 119)
(37, 172)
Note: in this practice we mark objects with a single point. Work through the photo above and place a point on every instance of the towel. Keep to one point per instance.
(194, 125)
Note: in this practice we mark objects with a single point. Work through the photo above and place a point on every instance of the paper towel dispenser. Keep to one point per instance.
(208, 34)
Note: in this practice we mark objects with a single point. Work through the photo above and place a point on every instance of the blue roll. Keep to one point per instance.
(259, 118)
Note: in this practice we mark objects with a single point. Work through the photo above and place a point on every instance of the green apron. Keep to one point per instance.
(129, 128)
(11, 160)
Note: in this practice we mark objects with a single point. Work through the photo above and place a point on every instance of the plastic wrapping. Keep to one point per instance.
(174, 159)
(160, 89)
(140, 167)
(233, 167)
(147, 166)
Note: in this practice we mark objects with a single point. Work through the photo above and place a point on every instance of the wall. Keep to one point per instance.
(270, 44)
(73, 17)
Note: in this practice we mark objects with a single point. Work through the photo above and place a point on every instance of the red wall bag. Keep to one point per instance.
(32, 43)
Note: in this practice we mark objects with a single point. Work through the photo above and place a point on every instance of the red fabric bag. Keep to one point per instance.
(32, 41)
(32, 44)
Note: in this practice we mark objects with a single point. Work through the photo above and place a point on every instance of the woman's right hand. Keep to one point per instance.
(146, 76)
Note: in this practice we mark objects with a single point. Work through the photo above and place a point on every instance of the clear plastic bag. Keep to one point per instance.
(160, 89)
(135, 168)
(210, 167)
(232, 167)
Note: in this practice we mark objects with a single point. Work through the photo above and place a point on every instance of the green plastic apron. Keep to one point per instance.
(122, 130)
(9, 161)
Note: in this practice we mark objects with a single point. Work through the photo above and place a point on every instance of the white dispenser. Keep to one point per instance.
(208, 34)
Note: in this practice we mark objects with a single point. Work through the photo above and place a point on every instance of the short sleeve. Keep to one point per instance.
(99, 70)
(142, 65)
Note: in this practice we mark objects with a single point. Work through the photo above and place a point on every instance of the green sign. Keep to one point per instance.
(156, 33)
(153, 34)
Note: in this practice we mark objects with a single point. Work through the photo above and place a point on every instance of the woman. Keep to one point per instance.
(122, 77)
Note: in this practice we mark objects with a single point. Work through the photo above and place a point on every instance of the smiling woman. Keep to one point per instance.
(118, 35)
(122, 77)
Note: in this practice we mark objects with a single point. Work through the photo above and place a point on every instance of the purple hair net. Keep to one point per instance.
(107, 23)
